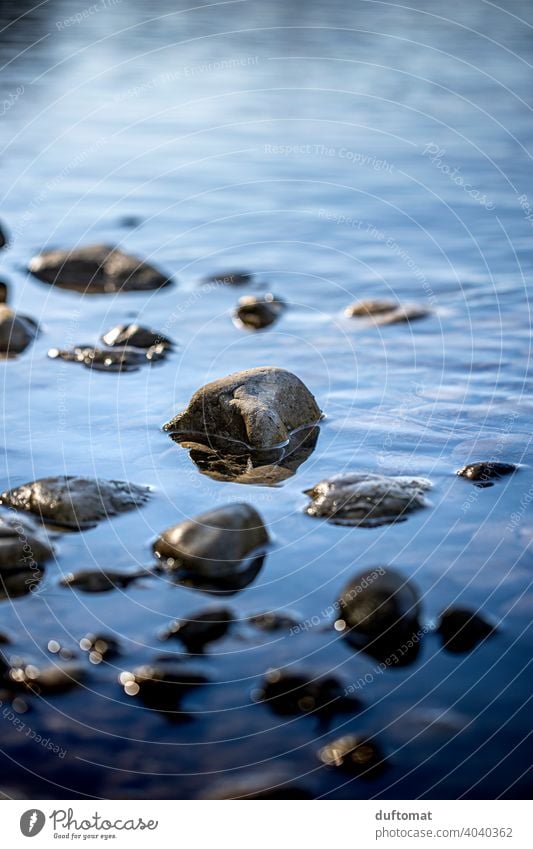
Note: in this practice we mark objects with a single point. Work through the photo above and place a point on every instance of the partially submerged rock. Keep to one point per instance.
(257, 312)
(215, 544)
(383, 311)
(221, 585)
(96, 269)
(46, 681)
(161, 685)
(3, 237)
(101, 580)
(258, 407)
(22, 543)
(230, 278)
(200, 628)
(355, 755)
(16, 331)
(483, 474)
(135, 336)
(289, 693)
(20, 581)
(75, 502)
(110, 360)
(273, 621)
(379, 613)
(367, 500)
(462, 629)
(237, 463)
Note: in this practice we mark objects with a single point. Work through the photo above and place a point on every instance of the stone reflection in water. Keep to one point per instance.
(223, 585)
(226, 460)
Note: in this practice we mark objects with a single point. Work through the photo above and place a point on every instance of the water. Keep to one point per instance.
(315, 146)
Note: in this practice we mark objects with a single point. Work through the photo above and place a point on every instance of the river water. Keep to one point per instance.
(338, 151)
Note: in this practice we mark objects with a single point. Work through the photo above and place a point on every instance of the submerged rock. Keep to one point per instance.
(462, 629)
(240, 464)
(255, 313)
(75, 502)
(215, 544)
(289, 693)
(360, 756)
(484, 473)
(46, 681)
(273, 621)
(258, 407)
(382, 311)
(100, 580)
(379, 613)
(112, 360)
(3, 237)
(96, 269)
(16, 331)
(222, 585)
(230, 278)
(161, 685)
(100, 647)
(135, 336)
(22, 544)
(366, 500)
(200, 628)
(19, 581)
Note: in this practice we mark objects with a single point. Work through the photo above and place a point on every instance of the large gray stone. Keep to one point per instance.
(366, 500)
(259, 407)
(214, 544)
(75, 502)
(96, 269)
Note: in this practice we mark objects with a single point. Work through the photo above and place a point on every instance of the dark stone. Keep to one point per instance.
(379, 614)
(462, 629)
(75, 503)
(16, 331)
(223, 585)
(354, 755)
(135, 336)
(200, 628)
(256, 313)
(230, 278)
(22, 543)
(366, 500)
(483, 474)
(161, 685)
(289, 693)
(381, 311)
(19, 581)
(4, 292)
(113, 360)
(215, 544)
(272, 621)
(96, 269)
(46, 681)
(100, 647)
(3, 237)
(101, 581)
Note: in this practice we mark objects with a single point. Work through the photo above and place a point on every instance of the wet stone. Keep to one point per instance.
(46, 681)
(256, 313)
(100, 581)
(273, 621)
(100, 647)
(16, 331)
(245, 466)
(462, 629)
(135, 336)
(215, 544)
(289, 693)
(258, 407)
(22, 543)
(230, 278)
(367, 500)
(200, 629)
(75, 503)
(483, 474)
(112, 360)
(19, 581)
(4, 292)
(379, 613)
(96, 269)
(161, 685)
(383, 312)
(354, 755)
(221, 584)
(3, 236)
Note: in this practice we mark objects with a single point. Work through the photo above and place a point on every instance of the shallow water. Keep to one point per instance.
(307, 145)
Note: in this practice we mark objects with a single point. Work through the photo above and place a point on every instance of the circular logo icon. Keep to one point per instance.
(32, 822)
